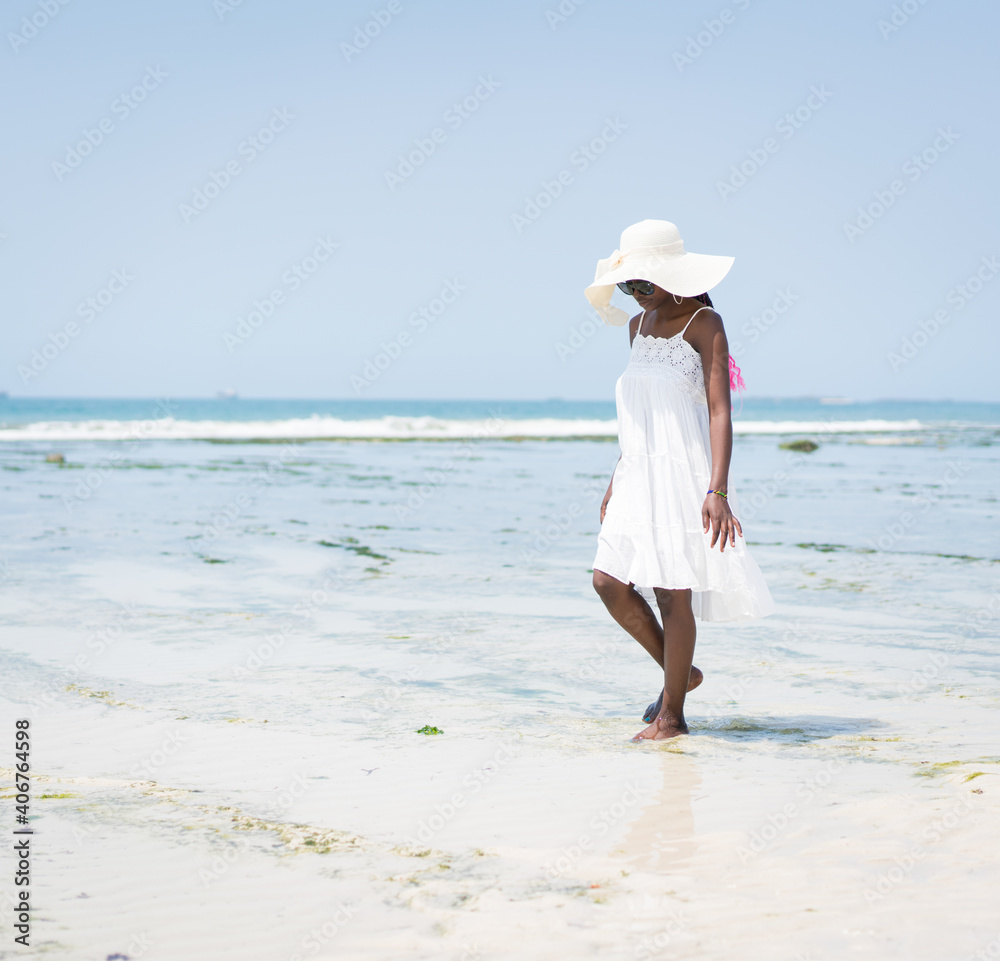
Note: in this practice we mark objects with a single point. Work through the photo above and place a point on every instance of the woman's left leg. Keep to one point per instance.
(679, 633)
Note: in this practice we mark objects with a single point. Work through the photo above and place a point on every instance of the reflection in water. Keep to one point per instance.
(663, 835)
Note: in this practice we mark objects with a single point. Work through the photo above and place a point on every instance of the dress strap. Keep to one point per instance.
(692, 317)
(639, 328)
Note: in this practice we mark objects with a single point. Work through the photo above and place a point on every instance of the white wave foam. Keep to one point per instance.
(826, 426)
(397, 428)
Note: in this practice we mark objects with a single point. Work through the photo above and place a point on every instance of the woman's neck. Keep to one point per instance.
(669, 312)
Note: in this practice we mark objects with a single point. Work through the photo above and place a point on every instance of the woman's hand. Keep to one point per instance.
(604, 503)
(715, 512)
(611, 483)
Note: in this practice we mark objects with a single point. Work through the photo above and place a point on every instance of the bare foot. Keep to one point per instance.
(694, 679)
(662, 728)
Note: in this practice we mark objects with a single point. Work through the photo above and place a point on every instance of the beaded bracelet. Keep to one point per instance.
(720, 493)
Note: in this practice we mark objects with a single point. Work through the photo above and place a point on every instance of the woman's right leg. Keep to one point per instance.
(629, 608)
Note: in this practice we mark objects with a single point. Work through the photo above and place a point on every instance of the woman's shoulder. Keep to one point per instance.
(708, 313)
(706, 319)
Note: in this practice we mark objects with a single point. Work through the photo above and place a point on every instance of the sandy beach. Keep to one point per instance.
(226, 653)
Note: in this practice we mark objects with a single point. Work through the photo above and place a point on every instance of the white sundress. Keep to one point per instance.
(652, 535)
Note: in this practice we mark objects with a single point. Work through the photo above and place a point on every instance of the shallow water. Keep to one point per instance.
(290, 611)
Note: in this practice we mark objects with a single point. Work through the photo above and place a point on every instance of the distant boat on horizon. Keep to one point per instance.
(228, 394)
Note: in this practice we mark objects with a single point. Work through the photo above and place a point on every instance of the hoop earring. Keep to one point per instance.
(677, 300)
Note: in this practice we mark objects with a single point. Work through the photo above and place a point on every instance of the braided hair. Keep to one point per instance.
(705, 299)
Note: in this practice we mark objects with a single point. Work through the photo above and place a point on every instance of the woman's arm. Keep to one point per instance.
(607, 496)
(709, 339)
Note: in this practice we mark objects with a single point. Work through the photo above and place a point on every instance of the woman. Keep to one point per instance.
(668, 516)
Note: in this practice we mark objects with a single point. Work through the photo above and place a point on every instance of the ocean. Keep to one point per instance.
(248, 419)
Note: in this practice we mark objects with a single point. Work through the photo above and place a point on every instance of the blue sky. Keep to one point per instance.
(642, 109)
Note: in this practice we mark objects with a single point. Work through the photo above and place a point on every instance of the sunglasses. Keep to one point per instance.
(632, 287)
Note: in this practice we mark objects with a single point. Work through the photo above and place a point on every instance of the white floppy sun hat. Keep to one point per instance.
(653, 250)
